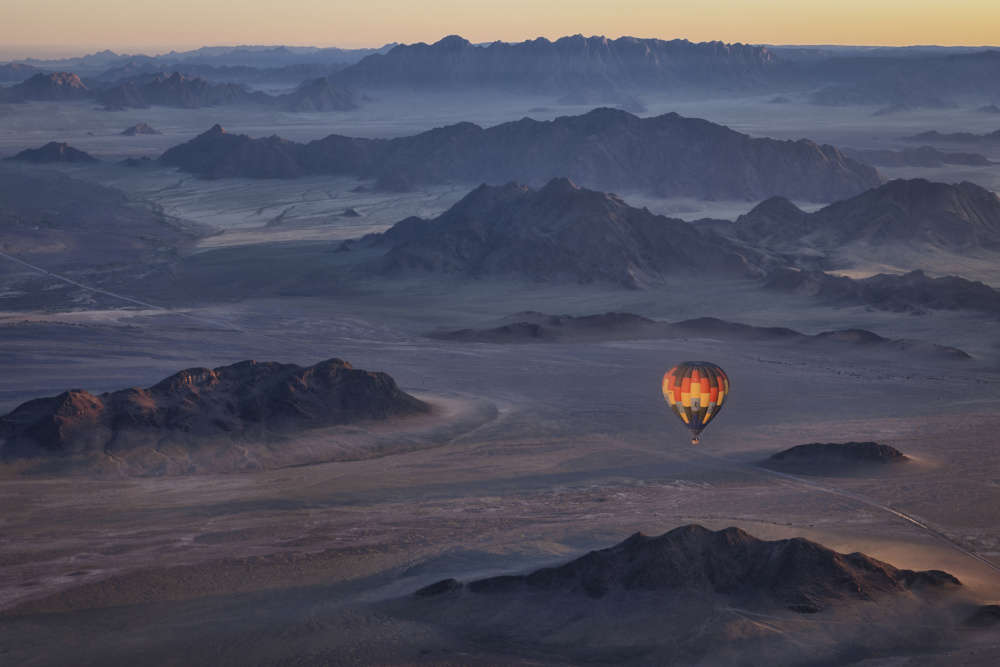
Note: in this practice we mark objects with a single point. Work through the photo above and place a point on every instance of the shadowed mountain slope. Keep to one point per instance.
(605, 149)
(913, 211)
(321, 95)
(561, 232)
(198, 404)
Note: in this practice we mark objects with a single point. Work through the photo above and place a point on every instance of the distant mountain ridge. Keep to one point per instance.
(605, 149)
(929, 82)
(573, 65)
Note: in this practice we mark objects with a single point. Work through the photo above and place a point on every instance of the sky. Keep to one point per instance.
(59, 28)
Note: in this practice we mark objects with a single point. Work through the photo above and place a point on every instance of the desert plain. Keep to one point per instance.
(535, 452)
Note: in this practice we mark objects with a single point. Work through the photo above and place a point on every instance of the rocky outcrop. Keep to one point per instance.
(796, 573)
(53, 152)
(140, 128)
(929, 82)
(606, 149)
(242, 400)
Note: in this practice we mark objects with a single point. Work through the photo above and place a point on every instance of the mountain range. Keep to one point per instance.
(605, 149)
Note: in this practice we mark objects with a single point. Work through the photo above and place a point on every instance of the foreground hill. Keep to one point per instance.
(692, 596)
(561, 232)
(574, 65)
(605, 149)
(171, 419)
(796, 573)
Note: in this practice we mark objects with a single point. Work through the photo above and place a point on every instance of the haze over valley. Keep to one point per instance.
(323, 355)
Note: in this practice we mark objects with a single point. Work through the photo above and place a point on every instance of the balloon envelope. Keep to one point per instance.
(695, 391)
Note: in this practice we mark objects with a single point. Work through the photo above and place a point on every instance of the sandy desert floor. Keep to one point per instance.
(538, 453)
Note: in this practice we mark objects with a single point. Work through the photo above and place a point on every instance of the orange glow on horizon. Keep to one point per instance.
(47, 28)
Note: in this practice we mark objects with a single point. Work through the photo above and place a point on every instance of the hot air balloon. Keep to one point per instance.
(695, 391)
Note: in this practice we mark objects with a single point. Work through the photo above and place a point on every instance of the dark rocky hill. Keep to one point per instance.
(913, 291)
(242, 400)
(55, 87)
(561, 232)
(140, 128)
(795, 574)
(321, 95)
(575, 65)
(902, 211)
(53, 152)
(836, 459)
(605, 149)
